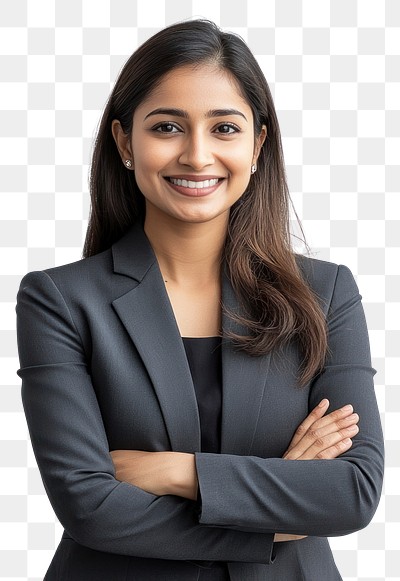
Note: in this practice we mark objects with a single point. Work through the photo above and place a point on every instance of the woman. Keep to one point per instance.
(174, 377)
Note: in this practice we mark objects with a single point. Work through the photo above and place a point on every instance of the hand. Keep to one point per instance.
(159, 473)
(323, 438)
(318, 438)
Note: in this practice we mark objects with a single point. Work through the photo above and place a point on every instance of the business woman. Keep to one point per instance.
(199, 398)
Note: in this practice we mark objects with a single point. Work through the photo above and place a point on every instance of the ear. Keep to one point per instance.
(122, 141)
(259, 142)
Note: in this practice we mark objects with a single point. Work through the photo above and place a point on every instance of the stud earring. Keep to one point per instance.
(128, 163)
(253, 168)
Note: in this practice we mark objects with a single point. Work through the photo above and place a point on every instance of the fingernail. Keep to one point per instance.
(346, 442)
(347, 408)
(323, 403)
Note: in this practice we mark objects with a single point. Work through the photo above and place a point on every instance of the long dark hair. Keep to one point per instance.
(279, 305)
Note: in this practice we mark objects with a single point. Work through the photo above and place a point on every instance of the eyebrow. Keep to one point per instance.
(185, 114)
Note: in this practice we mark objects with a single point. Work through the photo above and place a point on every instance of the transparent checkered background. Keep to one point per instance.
(334, 69)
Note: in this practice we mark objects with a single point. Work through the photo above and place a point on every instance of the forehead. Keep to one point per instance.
(206, 87)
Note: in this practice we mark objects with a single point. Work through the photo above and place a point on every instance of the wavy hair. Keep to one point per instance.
(279, 306)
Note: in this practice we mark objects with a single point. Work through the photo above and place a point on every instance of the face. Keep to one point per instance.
(192, 145)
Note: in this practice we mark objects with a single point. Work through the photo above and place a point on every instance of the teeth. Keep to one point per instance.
(193, 185)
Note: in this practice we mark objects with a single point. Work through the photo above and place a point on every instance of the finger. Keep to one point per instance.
(336, 450)
(323, 426)
(334, 426)
(315, 415)
(316, 450)
(318, 444)
(333, 451)
(315, 433)
(334, 416)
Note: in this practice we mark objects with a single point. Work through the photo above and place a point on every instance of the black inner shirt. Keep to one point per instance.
(204, 358)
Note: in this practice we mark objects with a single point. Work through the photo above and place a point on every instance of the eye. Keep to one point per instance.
(227, 129)
(166, 127)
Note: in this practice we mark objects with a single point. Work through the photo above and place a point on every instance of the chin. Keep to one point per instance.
(202, 218)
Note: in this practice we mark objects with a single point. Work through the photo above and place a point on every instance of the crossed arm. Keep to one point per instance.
(238, 522)
(319, 436)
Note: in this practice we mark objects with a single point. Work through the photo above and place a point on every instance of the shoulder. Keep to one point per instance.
(79, 273)
(100, 278)
(109, 274)
(328, 280)
(315, 271)
(86, 268)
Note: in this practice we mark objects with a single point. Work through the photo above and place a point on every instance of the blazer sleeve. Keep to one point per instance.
(72, 452)
(311, 497)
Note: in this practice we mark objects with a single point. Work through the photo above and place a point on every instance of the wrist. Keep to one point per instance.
(182, 476)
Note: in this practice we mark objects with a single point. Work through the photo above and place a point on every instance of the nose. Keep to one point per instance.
(196, 152)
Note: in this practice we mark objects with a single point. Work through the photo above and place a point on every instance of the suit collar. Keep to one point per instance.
(147, 315)
(133, 254)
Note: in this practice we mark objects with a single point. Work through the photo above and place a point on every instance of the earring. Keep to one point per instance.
(253, 168)
(128, 163)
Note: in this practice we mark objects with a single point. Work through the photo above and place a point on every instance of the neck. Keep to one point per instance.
(188, 253)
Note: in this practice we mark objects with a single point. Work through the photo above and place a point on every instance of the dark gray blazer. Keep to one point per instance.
(103, 367)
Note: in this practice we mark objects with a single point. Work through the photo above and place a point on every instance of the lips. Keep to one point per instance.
(190, 185)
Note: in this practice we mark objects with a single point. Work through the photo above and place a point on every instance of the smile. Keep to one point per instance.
(192, 184)
(193, 188)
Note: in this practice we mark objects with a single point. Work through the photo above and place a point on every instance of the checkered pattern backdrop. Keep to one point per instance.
(334, 69)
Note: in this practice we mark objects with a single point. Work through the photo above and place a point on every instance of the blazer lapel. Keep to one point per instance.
(147, 315)
(244, 381)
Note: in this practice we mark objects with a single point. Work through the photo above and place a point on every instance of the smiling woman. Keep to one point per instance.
(199, 398)
(189, 134)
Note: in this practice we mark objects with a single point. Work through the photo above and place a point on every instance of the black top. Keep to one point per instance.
(204, 357)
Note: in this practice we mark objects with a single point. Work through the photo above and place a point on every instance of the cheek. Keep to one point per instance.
(240, 157)
(150, 154)
(152, 160)
(240, 171)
